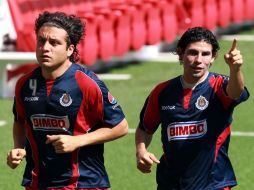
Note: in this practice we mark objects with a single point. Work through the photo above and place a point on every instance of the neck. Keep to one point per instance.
(192, 84)
(55, 72)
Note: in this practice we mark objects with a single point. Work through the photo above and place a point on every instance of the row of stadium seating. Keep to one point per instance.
(115, 27)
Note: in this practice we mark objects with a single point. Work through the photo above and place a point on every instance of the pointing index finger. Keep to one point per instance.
(51, 138)
(234, 45)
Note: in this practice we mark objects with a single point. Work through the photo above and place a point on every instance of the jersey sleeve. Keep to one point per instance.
(150, 118)
(112, 111)
(219, 84)
(18, 107)
(101, 105)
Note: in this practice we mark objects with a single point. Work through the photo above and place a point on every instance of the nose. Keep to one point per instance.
(45, 46)
(199, 58)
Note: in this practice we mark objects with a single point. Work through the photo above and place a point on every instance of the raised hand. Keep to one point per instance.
(234, 58)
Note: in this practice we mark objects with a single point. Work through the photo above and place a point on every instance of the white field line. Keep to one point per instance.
(114, 76)
(234, 133)
(242, 134)
(238, 37)
(2, 123)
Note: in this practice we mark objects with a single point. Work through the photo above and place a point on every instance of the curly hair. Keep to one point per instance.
(72, 24)
(198, 34)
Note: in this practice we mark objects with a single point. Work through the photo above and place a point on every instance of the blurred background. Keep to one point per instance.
(130, 44)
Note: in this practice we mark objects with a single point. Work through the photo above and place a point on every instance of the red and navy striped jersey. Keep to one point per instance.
(73, 104)
(195, 133)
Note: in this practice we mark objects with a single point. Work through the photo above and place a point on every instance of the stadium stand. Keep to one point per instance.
(117, 28)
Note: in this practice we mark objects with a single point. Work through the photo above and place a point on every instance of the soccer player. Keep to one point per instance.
(194, 111)
(63, 113)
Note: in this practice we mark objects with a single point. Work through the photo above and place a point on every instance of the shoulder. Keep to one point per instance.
(87, 79)
(166, 85)
(24, 78)
(215, 79)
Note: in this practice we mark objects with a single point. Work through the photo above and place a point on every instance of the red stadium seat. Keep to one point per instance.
(138, 25)
(105, 19)
(237, 14)
(169, 21)
(211, 14)
(183, 18)
(153, 21)
(248, 9)
(122, 27)
(224, 13)
(60, 5)
(24, 27)
(16, 13)
(195, 9)
(89, 46)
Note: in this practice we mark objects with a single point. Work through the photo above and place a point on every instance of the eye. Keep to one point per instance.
(53, 42)
(41, 41)
(206, 53)
(192, 52)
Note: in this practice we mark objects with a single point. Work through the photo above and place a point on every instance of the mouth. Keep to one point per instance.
(45, 57)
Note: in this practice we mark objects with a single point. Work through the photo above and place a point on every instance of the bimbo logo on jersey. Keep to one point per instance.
(187, 130)
(50, 122)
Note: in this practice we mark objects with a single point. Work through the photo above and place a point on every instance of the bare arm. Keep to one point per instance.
(66, 143)
(16, 155)
(236, 80)
(18, 135)
(145, 159)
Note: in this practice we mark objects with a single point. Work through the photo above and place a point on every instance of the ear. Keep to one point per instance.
(213, 58)
(179, 53)
(70, 50)
(215, 55)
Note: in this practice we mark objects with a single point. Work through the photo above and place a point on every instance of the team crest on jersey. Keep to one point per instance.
(187, 130)
(201, 103)
(65, 100)
(111, 99)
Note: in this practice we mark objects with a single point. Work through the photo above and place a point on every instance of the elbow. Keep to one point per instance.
(124, 128)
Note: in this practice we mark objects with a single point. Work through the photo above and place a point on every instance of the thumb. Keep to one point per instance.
(154, 159)
(52, 138)
(22, 152)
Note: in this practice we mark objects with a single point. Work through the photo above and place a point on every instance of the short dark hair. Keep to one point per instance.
(72, 24)
(197, 34)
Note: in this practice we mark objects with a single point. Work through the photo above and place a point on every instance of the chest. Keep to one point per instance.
(186, 104)
(51, 111)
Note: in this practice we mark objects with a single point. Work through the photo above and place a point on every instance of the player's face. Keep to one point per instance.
(197, 59)
(51, 50)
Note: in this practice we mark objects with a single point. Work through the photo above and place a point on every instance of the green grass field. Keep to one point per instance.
(120, 155)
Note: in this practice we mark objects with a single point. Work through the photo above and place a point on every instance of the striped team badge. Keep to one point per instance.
(111, 99)
(65, 100)
(201, 103)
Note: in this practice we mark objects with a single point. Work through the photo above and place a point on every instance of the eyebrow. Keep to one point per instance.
(194, 50)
